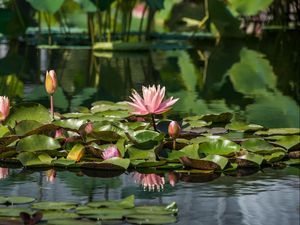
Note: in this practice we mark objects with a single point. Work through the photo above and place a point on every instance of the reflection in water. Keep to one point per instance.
(50, 175)
(4, 172)
(150, 182)
(266, 197)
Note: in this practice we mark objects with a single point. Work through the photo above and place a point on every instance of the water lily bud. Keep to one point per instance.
(174, 129)
(110, 152)
(4, 108)
(51, 82)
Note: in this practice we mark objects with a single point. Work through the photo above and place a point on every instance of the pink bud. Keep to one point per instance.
(51, 82)
(172, 178)
(110, 152)
(4, 107)
(174, 129)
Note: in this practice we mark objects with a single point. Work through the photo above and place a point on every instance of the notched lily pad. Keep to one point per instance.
(240, 126)
(114, 163)
(220, 147)
(48, 205)
(249, 160)
(279, 131)
(37, 142)
(210, 162)
(260, 146)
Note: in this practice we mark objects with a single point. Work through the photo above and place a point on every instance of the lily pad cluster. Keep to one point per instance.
(207, 143)
(61, 213)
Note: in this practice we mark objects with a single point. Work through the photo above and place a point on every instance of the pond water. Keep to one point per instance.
(258, 80)
(269, 196)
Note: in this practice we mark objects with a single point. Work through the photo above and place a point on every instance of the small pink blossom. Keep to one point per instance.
(172, 178)
(151, 182)
(4, 172)
(4, 108)
(110, 152)
(152, 101)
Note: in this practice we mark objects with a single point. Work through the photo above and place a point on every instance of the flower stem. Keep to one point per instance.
(52, 106)
(174, 144)
(153, 122)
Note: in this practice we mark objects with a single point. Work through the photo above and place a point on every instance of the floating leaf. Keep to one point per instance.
(250, 160)
(210, 162)
(72, 124)
(63, 162)
(249, 8)
(114, 163)
(288, 142)
(70, 221)
(260, 146)
(26, 126)
(13, 212)
(217, 118)
(274, 157)
(152, 219)
(16, 200)
(279, 131)
(27, 111)
(47, 205)
(76, 153)
(51, 215)
(37, 142)
(220, 147)
(240, 126)
(30, 159)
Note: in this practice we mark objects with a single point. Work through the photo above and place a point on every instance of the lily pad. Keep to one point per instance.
(240, 126)
(145, 138)
(250, 160)
(37, 142)
(151, 219)
(70, 221)
(274, 157)
(13, 212)
(220, 147)
(27, 111)
(210, 162)
(72, 124)
(260, 146)
(32, 159)
(288, 142)
(126, 203)
(26, 126)
(47, 205)
(114, 163)
(51, 215)
(217, 118)
(76, 152)
(278, 131)
(16, 200)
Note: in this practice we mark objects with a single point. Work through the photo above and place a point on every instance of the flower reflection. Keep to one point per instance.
(172, 178)
(150, 182)
(50, 175)
(4, 172)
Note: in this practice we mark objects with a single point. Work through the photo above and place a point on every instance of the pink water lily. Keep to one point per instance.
(150, 182)
(110, 152)
(4, 108)
(4, 172)
(151, 102)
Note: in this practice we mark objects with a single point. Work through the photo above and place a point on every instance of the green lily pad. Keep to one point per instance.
(278, 131)
(50, 6)
(70, 221)
(4, 131)
(274, 157)
(240, 126)
(114, 114)
(288, 142)
(260, 146)
(37, 142)
(151, 219)
(292, 162)
(54, 215)
(145, 138)
(47, 205)
(16, 200)
(146, 163)
(63, 162)
(126, 203)
(220, 147)
(32, 159)
(105, 213)
(154, 210)
(72, 124)
(27, 111)
(217, 118)
(138, 154)
(250, 160)
(13, 212)
(210, 162)
(114, 163)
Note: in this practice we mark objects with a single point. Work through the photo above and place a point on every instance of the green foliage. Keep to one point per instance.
(50, 6)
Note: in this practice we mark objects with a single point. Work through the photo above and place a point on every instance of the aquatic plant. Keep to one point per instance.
(4, 108)
(152, 102)
(174, 131)
(110, 152)
(51, 85)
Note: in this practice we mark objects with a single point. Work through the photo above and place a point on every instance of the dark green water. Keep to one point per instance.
(258, 80)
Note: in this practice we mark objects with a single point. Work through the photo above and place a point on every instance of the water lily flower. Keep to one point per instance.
(152, 102)
(174, 129)
(139, 11)
(151, 182)
(4, 172)
(51, 85)
(51, 82)
(110, 152)
(4, 108)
